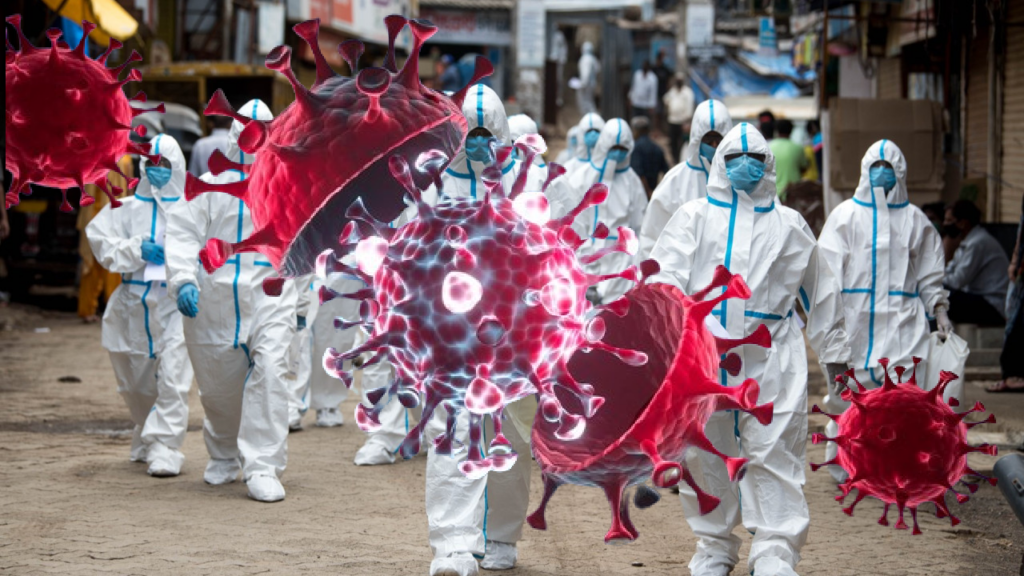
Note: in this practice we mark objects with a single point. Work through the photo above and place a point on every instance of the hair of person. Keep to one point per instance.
(965, 210)
(784, 128)
(640, 124)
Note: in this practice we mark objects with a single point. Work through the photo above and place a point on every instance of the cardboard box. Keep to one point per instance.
(914, 125)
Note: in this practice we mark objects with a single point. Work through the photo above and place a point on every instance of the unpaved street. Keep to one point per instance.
(72, 503)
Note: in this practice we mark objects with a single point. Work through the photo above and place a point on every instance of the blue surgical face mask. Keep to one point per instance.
(158, 175)
(478, 149)
(707, 151)
(617, 155)
(590, 138)
(744, 172)
(882, 177)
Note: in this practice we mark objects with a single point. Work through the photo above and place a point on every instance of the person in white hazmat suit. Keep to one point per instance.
(740, 225)
(588, 68)
(300, 365)
(237, 336)
(890, 263)
(589, 128)
(485, 515)
(141, 326)
(625, 205)
(687, 180)
(325, 392)
(521, 125)
(572, 140)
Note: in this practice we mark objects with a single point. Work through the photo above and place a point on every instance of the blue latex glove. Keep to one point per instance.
(188, 300)
(301, 323)
(152, 252)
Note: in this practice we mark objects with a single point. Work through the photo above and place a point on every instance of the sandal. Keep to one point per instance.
(1004, 386)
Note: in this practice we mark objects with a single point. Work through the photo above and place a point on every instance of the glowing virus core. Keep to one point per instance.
(67, 117)
(477, 304)
(904, 445)
(654, 412)
(331, 146)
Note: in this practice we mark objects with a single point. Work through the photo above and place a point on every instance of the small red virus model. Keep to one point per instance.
(904, 445)
(67, 117)
(655, 412)
(477, 304)
(330, 147)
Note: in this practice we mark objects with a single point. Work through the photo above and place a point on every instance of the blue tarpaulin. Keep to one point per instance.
(731, 78)
(780, 65)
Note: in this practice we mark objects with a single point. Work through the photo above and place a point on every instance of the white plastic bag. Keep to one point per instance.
(950, 356)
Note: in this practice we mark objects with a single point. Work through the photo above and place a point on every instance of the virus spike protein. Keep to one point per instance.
(653, 413)
(428, 315)
(332, 146)
(903, 445)
(68, 119)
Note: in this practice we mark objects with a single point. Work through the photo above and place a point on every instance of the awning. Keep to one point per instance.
(111, 20)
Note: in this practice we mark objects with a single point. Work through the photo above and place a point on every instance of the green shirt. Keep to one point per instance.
(790, 162)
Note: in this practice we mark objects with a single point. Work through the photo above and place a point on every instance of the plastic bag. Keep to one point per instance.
(950, 356)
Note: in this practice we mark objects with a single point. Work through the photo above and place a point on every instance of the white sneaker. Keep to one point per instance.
(294, 421)
(164, 462)
(458, 564)
(265, 488)
(221, 471)
(329, 418)
(373, 454)
(499, 556)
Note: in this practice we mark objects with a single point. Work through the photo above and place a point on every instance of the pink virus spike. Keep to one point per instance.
(332, 146)
(904, 446)
(68, 119)
(653, 412)
(477, 303)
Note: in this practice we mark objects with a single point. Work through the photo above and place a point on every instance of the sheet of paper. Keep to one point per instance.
(156, 272)
(715, 327)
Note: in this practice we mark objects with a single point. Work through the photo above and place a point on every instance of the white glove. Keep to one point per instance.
(945, 327)
(836, 374)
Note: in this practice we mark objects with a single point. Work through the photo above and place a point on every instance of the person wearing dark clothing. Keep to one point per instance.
(451, 79)
(766, 124)
(648, 160)
(664, 74)
(975, 268)
(1011, 361)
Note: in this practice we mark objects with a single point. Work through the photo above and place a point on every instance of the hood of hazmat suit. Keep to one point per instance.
(138, 310)
(624, 207)
(464, 177)
(775, 251)
(230, 294)
(889, 261)
(522, 125)
(686, 181)
(572, 139)
(582, 154)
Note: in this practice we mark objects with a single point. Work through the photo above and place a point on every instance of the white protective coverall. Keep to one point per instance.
(889, 260)
(625, 205)
(572, 139)
(687, 180)
(141, 326)
(300, 353)
(582, 154)
(239, 339)
(774, 250)
(464, 515)
(588, 68)
(520, 125)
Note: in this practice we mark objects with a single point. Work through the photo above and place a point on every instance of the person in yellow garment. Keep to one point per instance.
(96, 279)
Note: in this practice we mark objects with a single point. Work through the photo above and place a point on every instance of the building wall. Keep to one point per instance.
(976, 118)
(1012, 188)
(890, 79)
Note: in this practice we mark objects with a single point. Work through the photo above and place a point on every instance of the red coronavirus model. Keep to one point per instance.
(904, 445)
(653, 413)
(331, 146)
(477, 304)
(67, 117)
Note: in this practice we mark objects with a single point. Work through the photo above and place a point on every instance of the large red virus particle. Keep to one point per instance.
(477, 303)
(67, 117)
(904, 445)
(653, 413)
(332, 146)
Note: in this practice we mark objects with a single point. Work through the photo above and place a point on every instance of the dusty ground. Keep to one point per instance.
(71, 503)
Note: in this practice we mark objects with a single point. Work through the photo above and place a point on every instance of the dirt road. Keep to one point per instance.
(72, 503)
